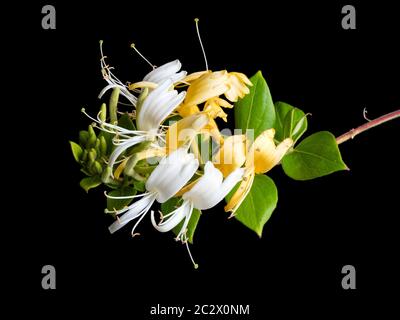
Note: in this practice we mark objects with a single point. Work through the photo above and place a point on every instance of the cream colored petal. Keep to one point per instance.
(231, 155)
(264, 155)
(241, 193)
(184, 130)
(207, 86)
(195, 75)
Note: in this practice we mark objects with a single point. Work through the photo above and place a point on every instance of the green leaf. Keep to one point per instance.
(260, 202)
(117, 204)
(77, 151)
(316, 156)
(90, 182)
(170, 206)
(290, 122)
(256, 110)
(125, 121)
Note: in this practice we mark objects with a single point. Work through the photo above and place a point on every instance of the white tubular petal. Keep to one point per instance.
(187, 219)
(136, 209)
(176, 179)
(210, 189)
(153, 105)
(228, 184)
(178, 76)
(164, 111)
(163, 72)
(172, 173)
(123, 91)
(122, 147)
(161, 171)
(176, 217)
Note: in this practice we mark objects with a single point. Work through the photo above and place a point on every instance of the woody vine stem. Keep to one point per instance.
(366, 126)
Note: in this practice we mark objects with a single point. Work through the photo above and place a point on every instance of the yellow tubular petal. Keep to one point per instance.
(237, 86)
(120, 169)
(264, 155)
(195, 75)
(215, 111)
(186, 188)
(185, 110)
(212, 129)
(207, 86)
(143, 84)
(231, 155)
(184, 131)
(241, 193)
(242, 77)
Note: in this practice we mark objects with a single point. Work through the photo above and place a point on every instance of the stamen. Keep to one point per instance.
(142, 56)
(195, 265)
(126, 197)
(201, 43)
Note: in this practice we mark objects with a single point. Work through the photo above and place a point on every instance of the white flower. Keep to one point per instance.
(208, 191)
(155, 108)
(158, 105)
(172, 173)
(166, 71)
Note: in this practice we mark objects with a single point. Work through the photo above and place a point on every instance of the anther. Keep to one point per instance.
(142, 56)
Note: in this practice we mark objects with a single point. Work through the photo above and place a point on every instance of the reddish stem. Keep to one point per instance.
(366, 126)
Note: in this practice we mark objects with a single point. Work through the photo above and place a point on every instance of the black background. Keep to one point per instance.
(319, 226)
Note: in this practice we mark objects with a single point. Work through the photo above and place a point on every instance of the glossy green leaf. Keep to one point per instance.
(90, 182)
(256, 110)
(290, 122)
(117, 204)
(77, 151)
(316, 156)
(260, 202)
(170, 206)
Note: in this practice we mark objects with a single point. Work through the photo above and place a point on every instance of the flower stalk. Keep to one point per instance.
(366, 126)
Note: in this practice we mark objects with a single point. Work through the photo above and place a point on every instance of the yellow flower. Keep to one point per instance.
(207, 86)
(184, 131)
(214, 110)
(262, 157)
(231, 155)
(237, 84)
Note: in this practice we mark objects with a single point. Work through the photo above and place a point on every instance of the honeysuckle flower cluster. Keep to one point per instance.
(169, 150)
(161, 152)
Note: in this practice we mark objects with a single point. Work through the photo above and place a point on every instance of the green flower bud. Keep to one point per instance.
(97, 146)
(92, 156)
(92, 137)
(103, 112)
(84, 155)
(106, 176)
(98, 167)
(103, 146)
(83, 137)
(113, 105)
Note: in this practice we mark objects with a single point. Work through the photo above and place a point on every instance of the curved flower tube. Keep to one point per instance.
(166, 71)
(172, 173)
(208, 191)
(262, 157)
